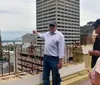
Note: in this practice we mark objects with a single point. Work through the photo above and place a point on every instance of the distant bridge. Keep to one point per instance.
(3, 41)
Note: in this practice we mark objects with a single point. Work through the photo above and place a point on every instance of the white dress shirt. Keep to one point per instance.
(54, 43)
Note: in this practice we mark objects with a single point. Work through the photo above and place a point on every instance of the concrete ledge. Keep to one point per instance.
(75, 81)
(72, 68)
(76, 78)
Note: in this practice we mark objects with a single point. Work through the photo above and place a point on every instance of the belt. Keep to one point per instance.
(51, 56)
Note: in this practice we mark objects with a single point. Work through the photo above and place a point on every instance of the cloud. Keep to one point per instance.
(12, 35)
(11, 22)
(5, 11)
(9, 11)
(17, 15)
(28, 1)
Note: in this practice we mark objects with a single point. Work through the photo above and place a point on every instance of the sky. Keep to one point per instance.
(18, 17)
(89, 11)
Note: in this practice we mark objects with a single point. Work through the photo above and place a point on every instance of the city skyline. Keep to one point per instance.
(19, 15)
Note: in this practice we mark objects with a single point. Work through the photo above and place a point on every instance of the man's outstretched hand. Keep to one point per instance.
(34, 32)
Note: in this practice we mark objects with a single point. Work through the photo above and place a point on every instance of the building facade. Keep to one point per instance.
(65, 12)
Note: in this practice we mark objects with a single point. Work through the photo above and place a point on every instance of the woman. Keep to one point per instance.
(95, 74)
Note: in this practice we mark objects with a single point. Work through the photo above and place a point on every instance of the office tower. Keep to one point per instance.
(65, 12)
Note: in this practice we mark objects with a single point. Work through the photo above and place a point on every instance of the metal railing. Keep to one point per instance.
(15, 58)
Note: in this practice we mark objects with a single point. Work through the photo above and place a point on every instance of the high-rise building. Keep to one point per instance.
(65, 12)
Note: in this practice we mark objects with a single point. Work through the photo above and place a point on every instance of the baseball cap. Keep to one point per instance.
(52, 23)
(96, 23)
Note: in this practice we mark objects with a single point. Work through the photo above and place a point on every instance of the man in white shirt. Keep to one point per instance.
(53, 54)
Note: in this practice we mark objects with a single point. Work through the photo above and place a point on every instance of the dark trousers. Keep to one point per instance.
(50, 63)
(94, 60)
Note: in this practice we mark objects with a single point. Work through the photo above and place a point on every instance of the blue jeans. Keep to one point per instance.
(50, 63)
